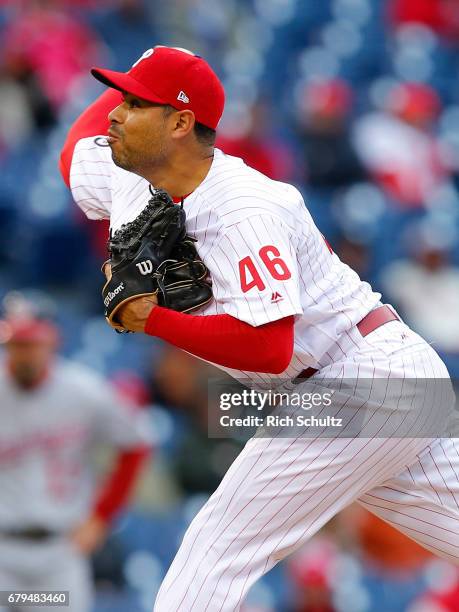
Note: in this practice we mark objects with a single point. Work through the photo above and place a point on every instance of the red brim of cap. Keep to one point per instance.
(125, 82)
(28, 331)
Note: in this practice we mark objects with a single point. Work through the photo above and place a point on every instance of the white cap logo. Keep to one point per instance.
(150, 52)
(144, 55)
(183, 97)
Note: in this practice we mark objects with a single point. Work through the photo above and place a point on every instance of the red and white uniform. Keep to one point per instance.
(265, 255)
(47, 479)
(269, 263)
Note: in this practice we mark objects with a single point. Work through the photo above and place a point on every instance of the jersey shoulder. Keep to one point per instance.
(89, 150)
(235, 191)
(92, 157)
(98, 185)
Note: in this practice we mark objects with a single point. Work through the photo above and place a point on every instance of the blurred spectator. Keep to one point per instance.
(425, 288)
(25, 107)
(19, 69)
(311, 571)
(47, 46)
(55, 46)
(256, 145)
(428, 12)
(131, 387)
(323, 113)
(53, 413)
(398, 147)
(441, 16)
(441, 598)
(16, 120)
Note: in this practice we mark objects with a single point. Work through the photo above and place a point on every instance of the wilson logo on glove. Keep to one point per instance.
(145, 267)
(152, 255)
(112, 294)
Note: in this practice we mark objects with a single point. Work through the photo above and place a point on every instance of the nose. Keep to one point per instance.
(116, 115)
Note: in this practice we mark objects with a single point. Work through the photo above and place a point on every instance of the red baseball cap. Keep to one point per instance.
(169, 75)
(28, 330)
(332, 98)
(414, 101)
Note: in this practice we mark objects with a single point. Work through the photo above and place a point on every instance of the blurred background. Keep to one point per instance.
(356, 102)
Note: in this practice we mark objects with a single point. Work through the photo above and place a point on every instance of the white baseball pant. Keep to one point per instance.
(280, 491)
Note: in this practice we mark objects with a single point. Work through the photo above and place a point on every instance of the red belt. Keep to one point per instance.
(374, 319)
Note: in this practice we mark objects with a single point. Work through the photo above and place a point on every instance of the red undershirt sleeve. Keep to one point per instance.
(225, 340)
(92, 122)
(118, 485)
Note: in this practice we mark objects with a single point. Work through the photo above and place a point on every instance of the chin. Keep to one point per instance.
(126, 165)
(119, 162)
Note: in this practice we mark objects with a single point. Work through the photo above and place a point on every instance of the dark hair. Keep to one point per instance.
(204, 135)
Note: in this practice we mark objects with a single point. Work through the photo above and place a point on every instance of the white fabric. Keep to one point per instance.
(233, 214)
(280, 491)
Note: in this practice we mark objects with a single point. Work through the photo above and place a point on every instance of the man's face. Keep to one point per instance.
(29, 361)
(138, 135)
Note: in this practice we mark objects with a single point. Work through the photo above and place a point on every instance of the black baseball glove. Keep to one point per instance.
(152, 255)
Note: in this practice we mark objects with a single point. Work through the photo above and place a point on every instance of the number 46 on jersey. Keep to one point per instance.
(272, 262)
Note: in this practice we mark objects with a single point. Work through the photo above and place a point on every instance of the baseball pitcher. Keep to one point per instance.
(283, 310)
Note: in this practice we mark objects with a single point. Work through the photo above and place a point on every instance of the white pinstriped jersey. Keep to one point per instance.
(266, 257)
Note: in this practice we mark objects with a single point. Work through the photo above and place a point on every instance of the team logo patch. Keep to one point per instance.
(144, 55)
(183, 97)
(101, 141)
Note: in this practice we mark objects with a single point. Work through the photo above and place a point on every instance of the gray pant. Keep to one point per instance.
(54, 565)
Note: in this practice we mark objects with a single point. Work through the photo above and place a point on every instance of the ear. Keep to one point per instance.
(183, 124)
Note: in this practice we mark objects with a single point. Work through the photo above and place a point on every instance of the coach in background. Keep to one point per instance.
(52, 413)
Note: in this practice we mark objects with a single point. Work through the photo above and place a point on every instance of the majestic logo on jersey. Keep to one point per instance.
(112, 294)
(183, 97)
(276, 297)
(145, 267)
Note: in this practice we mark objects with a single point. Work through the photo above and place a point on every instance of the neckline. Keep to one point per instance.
(217, 154)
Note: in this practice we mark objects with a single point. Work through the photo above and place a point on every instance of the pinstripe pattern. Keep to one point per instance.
(232, 214)
(422, 501)
(281, 491)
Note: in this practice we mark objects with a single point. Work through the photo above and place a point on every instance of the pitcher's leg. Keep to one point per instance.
(423, 501)
(277, 494)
